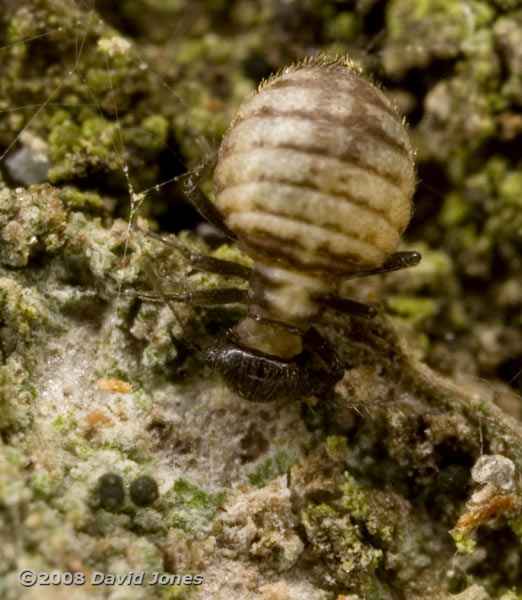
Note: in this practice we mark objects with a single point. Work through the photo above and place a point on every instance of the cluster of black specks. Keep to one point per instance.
(111, 492)
(144, 491)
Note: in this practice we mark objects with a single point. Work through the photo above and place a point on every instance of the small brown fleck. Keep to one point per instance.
(98, 418)
(484, 513)
(115, 385)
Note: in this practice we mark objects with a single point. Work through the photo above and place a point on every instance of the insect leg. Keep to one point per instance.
(205, 207)
(397, 261)
(195, 297)
(351, 307)
(210, 297)
(219, 266)
(322, 347)
(202, 262)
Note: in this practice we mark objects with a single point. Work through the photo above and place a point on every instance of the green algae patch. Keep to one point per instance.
(190, 508)
(75, 199)
(29, 223)
(410, 308)
(152, 134)
(464, 543)
(79, 149)
(17, 392)
(511, 595)
(510, 189)
(362, 506)
(339, 542)
(336, 446)
(421, 19)
(455, 210)
(271, 468)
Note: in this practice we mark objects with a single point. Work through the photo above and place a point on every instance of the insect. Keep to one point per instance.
(314, 181)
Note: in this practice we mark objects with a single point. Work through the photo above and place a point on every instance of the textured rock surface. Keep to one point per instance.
(370, 496)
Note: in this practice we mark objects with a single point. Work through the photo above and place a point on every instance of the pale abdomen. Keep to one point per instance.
(316, 172)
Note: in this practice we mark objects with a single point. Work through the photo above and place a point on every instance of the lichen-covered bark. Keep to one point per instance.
(369, 494)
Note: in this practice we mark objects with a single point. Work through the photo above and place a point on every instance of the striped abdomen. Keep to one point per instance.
(316, 172)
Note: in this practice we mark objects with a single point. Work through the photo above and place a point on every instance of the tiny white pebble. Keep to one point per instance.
(495, 469)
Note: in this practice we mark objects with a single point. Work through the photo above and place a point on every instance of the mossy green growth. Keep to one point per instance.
(483, 405)
(481, 62)
(30, 220)
(338, 539)
(74, 148)
(510, 189)
(43, 484)
(483, 213)
(511, 595)
(516, 525)
(13, 488)
(273, 467)
(16, 393)
(336, 446)
(181, 592)
(441, 24)
(190, 508)
(64, 424)
(430, 8)
(455, 210)
(80, 200)
(464, 543)
(64, 136)
(114, 46)
(344, 26)
(152, 134)
(98, 136)
(19, 27)
(410, 308)
(357, 502)
(231, 252)
(354, 497)
(26, 316)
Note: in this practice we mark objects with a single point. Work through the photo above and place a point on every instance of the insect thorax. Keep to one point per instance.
(281, 295)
